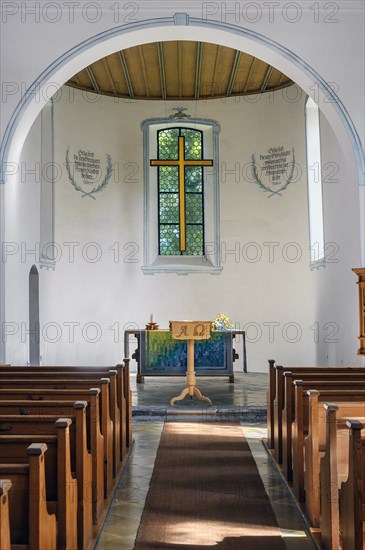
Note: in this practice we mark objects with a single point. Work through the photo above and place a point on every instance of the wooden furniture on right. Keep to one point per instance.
(316, 437)
(360, 272)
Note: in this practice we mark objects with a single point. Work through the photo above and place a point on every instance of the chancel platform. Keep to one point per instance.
(243, 400)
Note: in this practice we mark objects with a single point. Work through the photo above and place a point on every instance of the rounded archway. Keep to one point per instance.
(179, 27)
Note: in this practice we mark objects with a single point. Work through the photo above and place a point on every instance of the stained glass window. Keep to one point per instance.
(181, 196)
(180, 204)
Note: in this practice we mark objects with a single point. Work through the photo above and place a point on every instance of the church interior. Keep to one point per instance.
(182, 302)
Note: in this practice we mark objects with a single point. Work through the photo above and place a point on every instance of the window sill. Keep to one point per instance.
(182, 265)
(317, 264)
(46, 263)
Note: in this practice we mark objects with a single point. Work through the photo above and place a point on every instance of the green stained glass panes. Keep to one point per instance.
(168, 144)
(169, 240)
(194, 208)
(195, 240)
(169, 208)
(194, 179)
(193, 144)
(169, 178)
(169, 216)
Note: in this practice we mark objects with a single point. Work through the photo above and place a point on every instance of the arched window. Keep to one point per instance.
(181, 196)
(314, 176)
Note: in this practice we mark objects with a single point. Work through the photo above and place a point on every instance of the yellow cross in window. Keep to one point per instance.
(181, 162)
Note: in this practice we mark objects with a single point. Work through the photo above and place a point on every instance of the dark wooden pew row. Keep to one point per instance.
(124, 397)
(110, 414)
(352, 491)
(81, 459)
(123, 392)
(276, 398)
(351, 403)
(275, 392)
(34, 428)
(334, 470)
(62, 486)
(283, 421)
(5, 486)
(40, 385)
(280, 400)
(44, 398)
(294, 388)
(32, 527)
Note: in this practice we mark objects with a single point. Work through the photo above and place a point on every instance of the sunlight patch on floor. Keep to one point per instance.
(195, 531)
(210, 429)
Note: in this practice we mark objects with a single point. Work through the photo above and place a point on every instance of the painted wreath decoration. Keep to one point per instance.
(222, 322)
(97, 189)
(266, 189)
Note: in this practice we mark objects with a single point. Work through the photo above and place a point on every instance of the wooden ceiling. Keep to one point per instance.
(179, 70)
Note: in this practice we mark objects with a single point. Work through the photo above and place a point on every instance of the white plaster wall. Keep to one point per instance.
(336, 290)
(289, 312)
(20, 248)
(261, 288)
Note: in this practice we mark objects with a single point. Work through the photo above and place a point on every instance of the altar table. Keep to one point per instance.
(158, 354)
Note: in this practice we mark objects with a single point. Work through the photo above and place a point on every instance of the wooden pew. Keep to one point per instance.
(39, 385)
(315, 441)
(296, 421)
(128, 402)
(330, 532)
(81, 461)
(115, 414)
(53, 373)
(62, 487)
(44, 399)
(281, 403)
(334, 470)
(31, 525)
(124, 397)
(352, 491)
(5, 486)
(276, 397)
(287, 417)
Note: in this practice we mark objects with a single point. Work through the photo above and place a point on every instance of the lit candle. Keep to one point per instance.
(151, 318)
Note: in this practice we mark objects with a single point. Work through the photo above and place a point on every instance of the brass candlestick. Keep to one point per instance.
(152, 326)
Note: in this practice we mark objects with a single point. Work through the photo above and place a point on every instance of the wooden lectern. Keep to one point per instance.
(190, 331)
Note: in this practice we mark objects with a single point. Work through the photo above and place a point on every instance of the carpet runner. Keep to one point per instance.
(206, 493)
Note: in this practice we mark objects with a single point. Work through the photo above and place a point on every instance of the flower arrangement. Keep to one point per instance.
(222, 322)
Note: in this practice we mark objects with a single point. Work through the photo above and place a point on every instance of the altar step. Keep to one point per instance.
(199, 413)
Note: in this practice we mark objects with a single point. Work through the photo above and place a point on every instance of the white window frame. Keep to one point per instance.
(314, 184)
(47, 188)
(184, 264)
